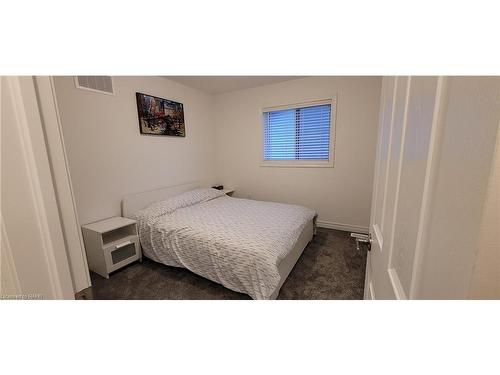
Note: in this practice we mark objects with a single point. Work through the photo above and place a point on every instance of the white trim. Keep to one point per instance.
(297, 163)
(309, 103)
(77, 85)
(400, 168)
(56, 150)
(396, 284)
(8, 270)
(342, 226)
(333, 102)
(429, 179)
(375, 187)
(389, 149)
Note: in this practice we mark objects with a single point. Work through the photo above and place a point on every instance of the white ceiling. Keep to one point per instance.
(221, 84)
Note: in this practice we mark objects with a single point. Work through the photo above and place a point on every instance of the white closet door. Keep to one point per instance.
(30, 217)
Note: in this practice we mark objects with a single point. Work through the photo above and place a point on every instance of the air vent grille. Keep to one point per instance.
(102, 84)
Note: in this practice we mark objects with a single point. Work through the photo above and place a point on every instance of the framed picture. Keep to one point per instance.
(159, 116)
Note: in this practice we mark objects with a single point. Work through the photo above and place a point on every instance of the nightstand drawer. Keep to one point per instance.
(121, 253)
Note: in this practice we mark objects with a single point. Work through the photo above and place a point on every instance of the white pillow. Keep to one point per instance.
(186, 199)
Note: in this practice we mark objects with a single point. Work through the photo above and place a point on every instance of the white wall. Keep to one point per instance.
(109, 158)
(341, 195)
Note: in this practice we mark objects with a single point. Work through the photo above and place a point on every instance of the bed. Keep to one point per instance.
(247, 246)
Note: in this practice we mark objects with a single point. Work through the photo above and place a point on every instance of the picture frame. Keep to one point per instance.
(159, 116)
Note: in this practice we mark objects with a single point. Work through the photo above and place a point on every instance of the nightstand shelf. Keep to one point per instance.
(111, 244)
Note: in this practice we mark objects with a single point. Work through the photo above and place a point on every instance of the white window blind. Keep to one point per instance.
(301, 133)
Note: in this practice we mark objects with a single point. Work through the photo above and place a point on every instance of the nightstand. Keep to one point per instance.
(111, 244)
(228, 191)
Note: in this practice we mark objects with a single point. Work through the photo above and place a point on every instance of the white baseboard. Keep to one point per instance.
(342, 226)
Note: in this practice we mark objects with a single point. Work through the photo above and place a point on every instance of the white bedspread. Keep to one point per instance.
(238, 243)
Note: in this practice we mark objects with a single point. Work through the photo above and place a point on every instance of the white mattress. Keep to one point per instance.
(238, 243)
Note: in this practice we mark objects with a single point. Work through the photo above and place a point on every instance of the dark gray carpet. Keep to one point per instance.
(329, 268)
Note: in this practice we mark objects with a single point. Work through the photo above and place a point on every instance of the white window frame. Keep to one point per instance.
(303, 163)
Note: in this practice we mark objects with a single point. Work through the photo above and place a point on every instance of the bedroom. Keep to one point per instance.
(312, 172)
(208, 199)
(218, 150)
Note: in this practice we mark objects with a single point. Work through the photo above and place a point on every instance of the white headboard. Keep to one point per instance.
(135, 202)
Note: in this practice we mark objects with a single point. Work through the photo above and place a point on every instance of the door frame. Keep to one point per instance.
(368, 289)
(51, 121)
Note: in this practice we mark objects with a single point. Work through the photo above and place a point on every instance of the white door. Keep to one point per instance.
(407, 119)
(33, 251)
(435, 149)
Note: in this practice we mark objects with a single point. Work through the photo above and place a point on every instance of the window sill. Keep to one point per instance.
(291, 164)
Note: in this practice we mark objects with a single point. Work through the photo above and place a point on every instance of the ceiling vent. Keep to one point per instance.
(102, 84)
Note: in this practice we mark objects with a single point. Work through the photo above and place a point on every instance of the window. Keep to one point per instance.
(299, 135)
